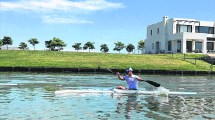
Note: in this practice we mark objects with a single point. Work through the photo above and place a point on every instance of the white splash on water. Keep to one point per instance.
(161, 91)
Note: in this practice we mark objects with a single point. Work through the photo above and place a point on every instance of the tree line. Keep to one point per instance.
(56, 44)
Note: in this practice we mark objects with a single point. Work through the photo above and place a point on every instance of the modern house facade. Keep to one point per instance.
(179, 35)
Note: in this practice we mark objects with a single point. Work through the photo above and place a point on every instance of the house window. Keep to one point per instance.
(210, 39)
(210, 45)
(198, 45)
(158, 30)
(211, 30)
(183, 28)
(204, 29)
(153, 46)
(178, 46)
(151, 32)
(189, 28)
(169, 45)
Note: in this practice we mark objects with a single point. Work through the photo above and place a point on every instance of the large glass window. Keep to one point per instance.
(210, 46)
(183, 28)
(189, 28)
(178, 46)
(198, 45)
(211, 30)
(169, 45)
(204, 29)
(210, 39)
(189, 46)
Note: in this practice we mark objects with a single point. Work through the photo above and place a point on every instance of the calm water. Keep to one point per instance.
(30, 98)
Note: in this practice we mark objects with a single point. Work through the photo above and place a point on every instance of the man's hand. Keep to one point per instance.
(119, 76)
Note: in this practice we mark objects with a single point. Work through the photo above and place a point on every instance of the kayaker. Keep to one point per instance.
(131, 79)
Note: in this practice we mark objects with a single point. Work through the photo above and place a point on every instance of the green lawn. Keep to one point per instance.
(102, 60)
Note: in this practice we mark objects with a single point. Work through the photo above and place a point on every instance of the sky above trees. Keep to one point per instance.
(98, 21)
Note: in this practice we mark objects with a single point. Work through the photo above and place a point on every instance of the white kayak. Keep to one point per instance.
(119, 91)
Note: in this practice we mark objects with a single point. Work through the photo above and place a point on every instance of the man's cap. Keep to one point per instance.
(129, 69)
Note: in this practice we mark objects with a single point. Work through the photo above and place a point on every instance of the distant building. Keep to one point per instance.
(9, 48)
(179, 35)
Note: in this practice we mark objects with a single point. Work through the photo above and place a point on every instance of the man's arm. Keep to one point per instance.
(119, 76)
(139, 79)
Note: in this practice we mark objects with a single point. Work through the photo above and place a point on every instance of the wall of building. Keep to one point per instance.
(155, 33)
(168, 32)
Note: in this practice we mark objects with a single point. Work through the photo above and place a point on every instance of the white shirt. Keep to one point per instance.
(132, 81)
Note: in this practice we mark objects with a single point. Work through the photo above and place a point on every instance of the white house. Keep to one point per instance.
(9, 48)
(179, 35)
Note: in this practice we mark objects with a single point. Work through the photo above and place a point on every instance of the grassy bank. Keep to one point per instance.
(102, 60)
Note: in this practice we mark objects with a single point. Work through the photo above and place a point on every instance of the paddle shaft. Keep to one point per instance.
(110, 70)
(152, 83)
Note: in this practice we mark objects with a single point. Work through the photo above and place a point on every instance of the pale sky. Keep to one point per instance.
(99, 21)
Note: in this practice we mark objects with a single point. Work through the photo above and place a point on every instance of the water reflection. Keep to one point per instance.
(126, 104)
(31, 93)
(168, 108)
(146, 106)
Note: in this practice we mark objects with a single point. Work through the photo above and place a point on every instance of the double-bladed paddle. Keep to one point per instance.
(152, 83)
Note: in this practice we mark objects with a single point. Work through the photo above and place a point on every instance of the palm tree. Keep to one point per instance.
(7, 41)
(119, 46)
(104, 48)
(141, 44)
(88, 45)
(23, 45)
(33, 41)
(130, 47)
(77, 46)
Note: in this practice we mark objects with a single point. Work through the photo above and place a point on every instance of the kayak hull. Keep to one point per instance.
(118, 91)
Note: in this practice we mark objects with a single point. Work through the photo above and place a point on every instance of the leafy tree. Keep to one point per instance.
(119, 46)
(56, 42)
(7, 41)
(130, 47)
(88, 45)
(141, 44)
(77, 46)
(23, 45)
(1, 43)
(48, 44)
(55, 45)
(104, 48)
(33, 41)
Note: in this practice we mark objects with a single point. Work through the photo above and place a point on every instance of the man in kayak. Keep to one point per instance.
(131, 79)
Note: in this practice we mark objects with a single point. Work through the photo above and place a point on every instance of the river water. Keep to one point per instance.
(26, 96)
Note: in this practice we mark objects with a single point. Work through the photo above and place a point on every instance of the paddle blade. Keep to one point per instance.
(153, 83)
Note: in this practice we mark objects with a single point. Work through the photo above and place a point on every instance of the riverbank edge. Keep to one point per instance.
(97, 70)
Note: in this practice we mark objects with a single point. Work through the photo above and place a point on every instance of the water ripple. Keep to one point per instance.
(30, 98)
